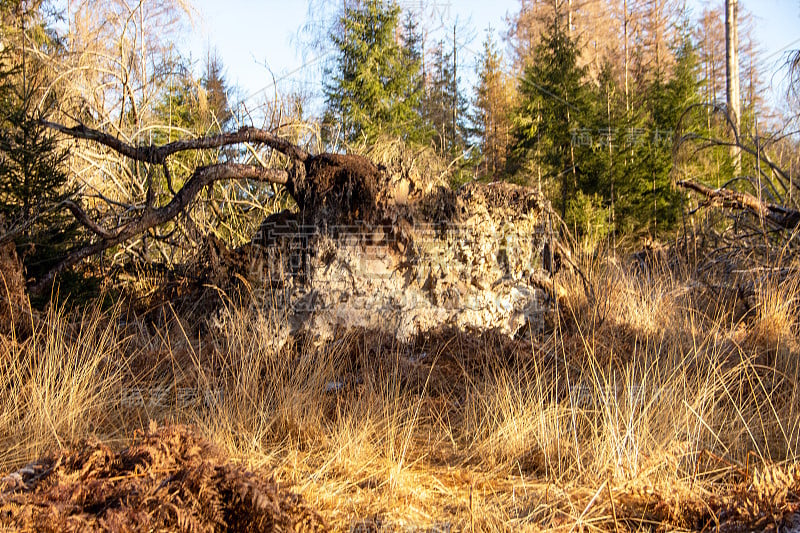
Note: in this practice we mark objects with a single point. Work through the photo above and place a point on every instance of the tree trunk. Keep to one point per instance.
(732, 72)
(627, 57)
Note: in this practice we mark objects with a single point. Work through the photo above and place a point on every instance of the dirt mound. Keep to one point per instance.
(168, 480)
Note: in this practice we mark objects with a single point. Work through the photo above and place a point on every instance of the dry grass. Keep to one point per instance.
(660, 405)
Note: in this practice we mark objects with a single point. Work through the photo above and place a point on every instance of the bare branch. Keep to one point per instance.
(159, 154)
(737, 140)
(84, 219)
(777, 215)
(149, 218)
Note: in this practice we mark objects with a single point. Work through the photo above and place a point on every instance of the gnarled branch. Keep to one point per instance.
(85, 220)
(159, 154)
(151, 217)
(779, 216)
(344, 185)
(737, 141)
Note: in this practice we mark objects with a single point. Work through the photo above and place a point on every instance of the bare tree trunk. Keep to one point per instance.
(732, 72)
(569, 18)
(627, 56)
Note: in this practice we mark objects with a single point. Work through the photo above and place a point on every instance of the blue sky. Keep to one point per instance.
(266, 42)
(258, 41)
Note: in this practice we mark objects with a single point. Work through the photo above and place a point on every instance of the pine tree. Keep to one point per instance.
(33, 178)
(648, 200)
(372, 78)
(445, 107)
(213, 95)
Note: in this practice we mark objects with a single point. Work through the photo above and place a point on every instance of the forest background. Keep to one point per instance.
(657, 386)
(584, 100)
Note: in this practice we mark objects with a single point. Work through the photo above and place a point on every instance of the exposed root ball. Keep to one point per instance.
(336, 188)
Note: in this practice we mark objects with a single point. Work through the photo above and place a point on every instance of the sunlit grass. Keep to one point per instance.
(646, 390)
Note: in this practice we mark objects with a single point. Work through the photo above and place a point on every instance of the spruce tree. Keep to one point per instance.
(445, 105)
(372, 85)
(601, 161)
(553, 102)
(648, 200)
(213, 95)
(413, 52)
(33, 178)
(491, 118)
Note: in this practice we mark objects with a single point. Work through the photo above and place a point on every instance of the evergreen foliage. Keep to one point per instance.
(606, 165)
(647, 199)
(201, 107)
(553, 103)
(33, 177)
(414, 51)
(445, 106)
(373, 87)
(213, 96)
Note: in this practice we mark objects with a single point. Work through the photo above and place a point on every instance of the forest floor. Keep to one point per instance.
(666, 403)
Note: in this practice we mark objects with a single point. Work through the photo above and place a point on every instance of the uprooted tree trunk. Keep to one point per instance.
(367, 244)
(778, 216)
(342, 186)
(764, 223)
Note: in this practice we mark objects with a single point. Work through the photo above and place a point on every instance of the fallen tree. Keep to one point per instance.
(341, 184)
(367, 244)
(759, 222)
(778, 216)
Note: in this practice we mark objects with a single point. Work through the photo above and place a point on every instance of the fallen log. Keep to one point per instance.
(335, 186)
(777, 215)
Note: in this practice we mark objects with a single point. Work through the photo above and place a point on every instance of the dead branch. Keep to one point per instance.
(738, 142)
(777, 215)
(84, 219)
(335, 187)
(151, 217)
(159, 154)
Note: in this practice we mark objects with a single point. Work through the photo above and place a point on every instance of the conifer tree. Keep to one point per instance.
(491, 118)
(648, 200)
(414, 50)
(213, 95)
(33, 179)
(553, 102)
(371, 88)
(445, 105)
